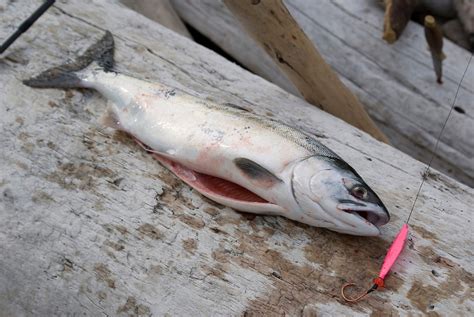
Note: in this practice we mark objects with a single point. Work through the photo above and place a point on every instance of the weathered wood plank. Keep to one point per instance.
(270, 23)
(160, 11)
(395, 82)
(92, 224)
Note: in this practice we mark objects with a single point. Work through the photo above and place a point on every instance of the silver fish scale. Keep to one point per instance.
(302, 139)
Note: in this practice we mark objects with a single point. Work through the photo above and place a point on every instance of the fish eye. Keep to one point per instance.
(359, 192)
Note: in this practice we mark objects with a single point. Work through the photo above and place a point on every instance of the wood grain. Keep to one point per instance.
(160, 11)
(270, 23)
(91, 224)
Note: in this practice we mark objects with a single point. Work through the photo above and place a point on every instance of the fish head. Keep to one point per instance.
(331, 194)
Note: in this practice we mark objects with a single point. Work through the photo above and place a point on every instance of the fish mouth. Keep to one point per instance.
(375, 215)
(366, 215)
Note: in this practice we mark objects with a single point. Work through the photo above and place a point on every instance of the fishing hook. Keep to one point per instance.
(378, 282)
(354, 299)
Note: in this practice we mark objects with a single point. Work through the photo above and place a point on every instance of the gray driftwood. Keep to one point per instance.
(273, 27)
(465, 11)
(160, 11)
(395, 82)
(92, 225)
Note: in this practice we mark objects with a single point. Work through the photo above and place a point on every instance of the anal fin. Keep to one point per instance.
(110, 119)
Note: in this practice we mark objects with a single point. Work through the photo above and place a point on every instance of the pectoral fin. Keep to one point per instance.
(256, 172)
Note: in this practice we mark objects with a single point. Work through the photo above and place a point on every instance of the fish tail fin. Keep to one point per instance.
(69, 75)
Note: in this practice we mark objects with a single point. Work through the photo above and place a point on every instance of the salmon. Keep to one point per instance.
(228, 154)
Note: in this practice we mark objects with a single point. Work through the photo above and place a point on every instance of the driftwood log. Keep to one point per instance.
(92, 225)
(160, 11)
(465, 11)
(396, 82)
(270, 23)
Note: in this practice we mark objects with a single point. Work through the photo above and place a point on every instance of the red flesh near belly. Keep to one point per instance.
(210, 184)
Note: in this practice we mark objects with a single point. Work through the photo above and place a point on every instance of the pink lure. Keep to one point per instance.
(394, 251)
(392, 255)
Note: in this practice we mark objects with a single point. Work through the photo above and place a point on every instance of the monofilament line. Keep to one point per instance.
(437, 141)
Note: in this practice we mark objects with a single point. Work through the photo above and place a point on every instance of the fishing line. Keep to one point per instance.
(27, 24)
(399, 242)
(437, 141)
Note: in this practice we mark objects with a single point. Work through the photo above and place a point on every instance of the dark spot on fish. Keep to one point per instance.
(170, 93)
(459, 109)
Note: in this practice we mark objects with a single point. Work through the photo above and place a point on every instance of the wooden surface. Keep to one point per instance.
(160, 11)
(465, 11)
(92, 225)
(396, 83)
(270, 23)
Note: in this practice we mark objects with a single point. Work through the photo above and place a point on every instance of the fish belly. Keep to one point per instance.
(202, 136)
